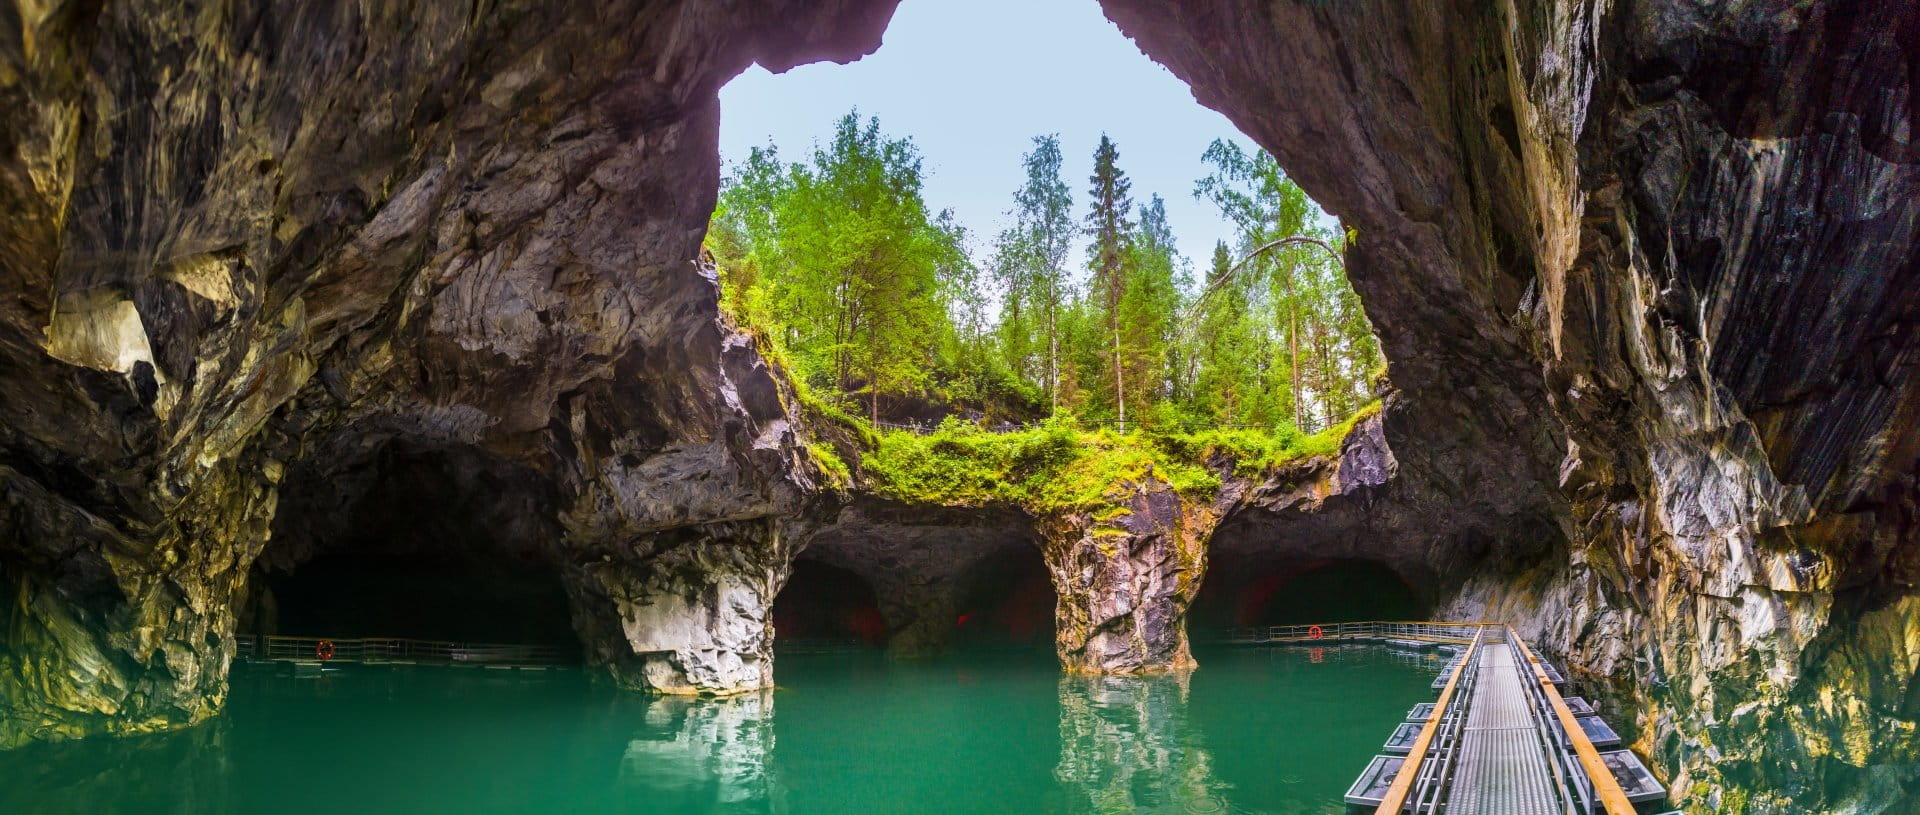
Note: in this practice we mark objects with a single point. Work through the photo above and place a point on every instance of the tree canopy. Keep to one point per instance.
(875, 300)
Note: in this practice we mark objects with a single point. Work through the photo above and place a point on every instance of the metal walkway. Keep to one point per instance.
(1499, 740)
(1502, 767)
(396, 651)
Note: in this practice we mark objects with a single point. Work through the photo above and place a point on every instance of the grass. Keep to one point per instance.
(1058, 466)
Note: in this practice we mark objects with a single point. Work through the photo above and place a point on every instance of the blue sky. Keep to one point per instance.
(972, 82)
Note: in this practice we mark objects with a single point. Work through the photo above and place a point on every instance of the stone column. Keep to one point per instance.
(1124, 576)
(123, 627)
(687, 611)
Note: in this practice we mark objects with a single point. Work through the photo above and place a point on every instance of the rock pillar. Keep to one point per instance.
(1124, 576)
(687, 611)
(123, 627)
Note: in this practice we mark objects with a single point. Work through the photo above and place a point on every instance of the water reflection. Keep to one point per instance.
(1128, 745)
(182, 772)
(717, 749)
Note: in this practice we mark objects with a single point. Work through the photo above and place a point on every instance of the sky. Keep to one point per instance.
(972, 82)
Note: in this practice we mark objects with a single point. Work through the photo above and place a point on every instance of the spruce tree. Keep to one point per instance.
(1110, 231)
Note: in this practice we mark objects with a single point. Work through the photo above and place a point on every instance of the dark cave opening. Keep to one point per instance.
(1008, 600)
(823, 602)
(1246, 592)
(437, 543)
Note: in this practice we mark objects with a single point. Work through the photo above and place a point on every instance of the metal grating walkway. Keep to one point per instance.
(1502, 766)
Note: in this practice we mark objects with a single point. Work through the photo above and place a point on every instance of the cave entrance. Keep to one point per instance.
(1007, 601)
(433, 543)
(823, 604)
(1291, 592)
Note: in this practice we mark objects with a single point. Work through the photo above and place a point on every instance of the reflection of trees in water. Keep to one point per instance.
(692, 745)
(1127, 745)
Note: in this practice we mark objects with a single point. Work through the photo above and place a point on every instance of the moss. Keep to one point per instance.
(1058, 466)
(1255, 451)
(1055, 466)
(830, 463)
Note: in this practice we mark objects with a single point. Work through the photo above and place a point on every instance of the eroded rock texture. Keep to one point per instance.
(1644, 271)
(1657, 261)
(1125, 576)
(241, 234)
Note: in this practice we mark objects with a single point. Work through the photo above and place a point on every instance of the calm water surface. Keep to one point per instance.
(1254, 730)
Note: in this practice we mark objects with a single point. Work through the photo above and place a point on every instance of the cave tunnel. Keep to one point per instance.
(1251, 592)
(1007, 600)
(443, 543)
(827, 603)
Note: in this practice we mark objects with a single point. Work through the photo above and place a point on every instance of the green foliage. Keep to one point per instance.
(869, 296)
(1285, 339)
(841, 258)
(1059, 466)
(1257, 450)
(830, 463)
(1054, 466)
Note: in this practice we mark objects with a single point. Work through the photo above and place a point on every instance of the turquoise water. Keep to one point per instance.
(1254, 730)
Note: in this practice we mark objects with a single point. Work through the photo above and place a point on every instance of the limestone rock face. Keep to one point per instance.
(1124, 577)
(1654, 261)
(239, 235)
(687, 611)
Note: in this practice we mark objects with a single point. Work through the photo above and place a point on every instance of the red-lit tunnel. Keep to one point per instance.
(827, 603)
(1006, 600)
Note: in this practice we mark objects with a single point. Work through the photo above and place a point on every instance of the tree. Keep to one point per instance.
(845, 250)
(1030, 259)
(1314, 311)
(1108, 258)
(1149, 305)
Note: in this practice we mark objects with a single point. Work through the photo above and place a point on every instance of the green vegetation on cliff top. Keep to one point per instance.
(1057, 466)
(881, 306)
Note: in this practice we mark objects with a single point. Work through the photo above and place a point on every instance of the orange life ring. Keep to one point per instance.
(1314, 632)
(323, 649)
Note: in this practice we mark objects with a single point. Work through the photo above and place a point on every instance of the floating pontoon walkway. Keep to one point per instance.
(397, 651)
(1500, 740)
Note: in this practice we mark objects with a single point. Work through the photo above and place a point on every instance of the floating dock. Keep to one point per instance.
(1500, 739)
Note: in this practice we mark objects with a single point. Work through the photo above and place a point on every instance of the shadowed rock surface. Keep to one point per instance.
(1645, 273)
(241, 235)
(1654, 263)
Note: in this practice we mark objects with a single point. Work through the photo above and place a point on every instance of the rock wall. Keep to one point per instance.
(239, 232)
(1644, 272)
(1654, 261)
(1124, 577)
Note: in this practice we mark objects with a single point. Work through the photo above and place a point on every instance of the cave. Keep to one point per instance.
(1006, 601)
(822, 603)
(1643, 271)
(411, 541)
(1256, 593)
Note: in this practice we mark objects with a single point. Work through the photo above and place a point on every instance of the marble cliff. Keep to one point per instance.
(1644, 271)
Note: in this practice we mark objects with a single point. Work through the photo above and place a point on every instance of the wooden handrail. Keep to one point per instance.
(1396, 798)
(1604, 784)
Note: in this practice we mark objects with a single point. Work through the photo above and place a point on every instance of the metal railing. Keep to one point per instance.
(1592, 788)
(397, 649)
(1372, 630)
(1421, 782)
(1585, 784)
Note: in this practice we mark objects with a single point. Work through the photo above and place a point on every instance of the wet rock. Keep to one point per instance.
(237, 235)
(1124, 577)
(919, 561)
(687, 611)
(1654, 263)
